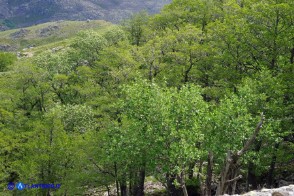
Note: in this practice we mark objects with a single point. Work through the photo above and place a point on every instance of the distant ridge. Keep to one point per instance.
(15, 13)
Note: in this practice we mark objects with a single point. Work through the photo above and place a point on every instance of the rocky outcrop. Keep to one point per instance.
(151, 188)
(282, 191)
(19, 34)
(50, 30)
(6, 48)
(3, 28)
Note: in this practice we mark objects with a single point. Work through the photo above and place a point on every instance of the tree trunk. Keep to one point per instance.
(172, 190)
(231, 165)
(187, 71)
(116, 179)
(150, 75)
(227, 173)
(141, 182)
(131, 183)
(191, 170)
(138, 189)
(199, 179)
(209, 173)
(108, 190)
(234, 186)
(292, 56)
(272, 167)
(251, 178)
(123, 186)
(49, 161)
(181, 179)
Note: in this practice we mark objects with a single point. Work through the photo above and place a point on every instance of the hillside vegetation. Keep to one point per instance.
(47, 33)
(197, 99)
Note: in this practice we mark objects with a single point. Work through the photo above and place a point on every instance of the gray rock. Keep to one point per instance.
(50, 30)
(7, 48)
(282, 191)
(19, 34)
(3, 28)
(151, 187)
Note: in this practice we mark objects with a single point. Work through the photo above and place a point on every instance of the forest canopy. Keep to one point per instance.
(199, 97)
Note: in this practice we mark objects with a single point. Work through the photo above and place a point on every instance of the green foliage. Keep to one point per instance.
(54, 63)
(175, 116)
(6, 59)
(153, 98)
(115, 35)
(89, 45)
(136, 27)
(77, 118)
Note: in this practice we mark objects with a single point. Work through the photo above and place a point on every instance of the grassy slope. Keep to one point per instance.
(60, 36)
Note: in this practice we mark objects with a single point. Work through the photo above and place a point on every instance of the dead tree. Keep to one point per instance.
(229, 174)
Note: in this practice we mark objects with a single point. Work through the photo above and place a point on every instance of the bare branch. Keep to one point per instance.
(253, 137)
(234, 179)
(100, 169)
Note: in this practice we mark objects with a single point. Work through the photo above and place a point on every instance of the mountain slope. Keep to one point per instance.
(15, 13)
(47, 33)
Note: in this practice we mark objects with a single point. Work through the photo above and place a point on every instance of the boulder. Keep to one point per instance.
(282, 191)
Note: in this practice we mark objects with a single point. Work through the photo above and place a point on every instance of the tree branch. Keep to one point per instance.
(100, 169)
(234, 179)
(253, 137)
